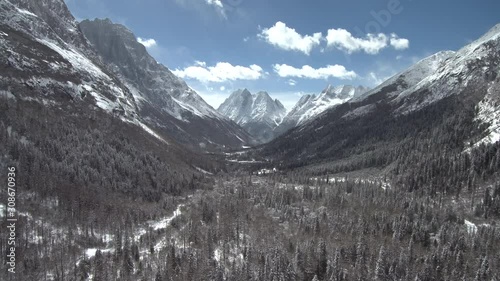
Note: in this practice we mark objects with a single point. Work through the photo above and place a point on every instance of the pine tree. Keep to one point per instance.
(380, 266)
(322, 261)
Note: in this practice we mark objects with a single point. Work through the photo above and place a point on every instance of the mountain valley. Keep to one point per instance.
(124, 172)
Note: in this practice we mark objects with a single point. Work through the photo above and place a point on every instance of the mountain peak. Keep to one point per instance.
(310, 106)
(258, 113)
(262, 93)
(163, 98)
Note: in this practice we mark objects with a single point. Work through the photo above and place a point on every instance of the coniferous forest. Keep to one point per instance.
(108, 211)
(112, 168)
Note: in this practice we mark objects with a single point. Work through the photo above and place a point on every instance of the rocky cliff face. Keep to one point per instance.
(310, 106)
(257, 113)
(448, 100)
(164, 100)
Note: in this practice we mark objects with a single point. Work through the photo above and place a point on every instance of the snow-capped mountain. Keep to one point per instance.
(443, 94)
(257, 113)
(411, 76)
(471, 71)
(164, 99)
(41, 47)
(310, 106)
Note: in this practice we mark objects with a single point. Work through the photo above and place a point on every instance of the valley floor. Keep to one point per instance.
(271, 227)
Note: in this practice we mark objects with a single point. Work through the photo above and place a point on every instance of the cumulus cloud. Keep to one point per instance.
(399, 43)
(292, 82)
(287, 38)
(306, 71)
(148, 43)
(345, 41)
(221, 72)
(372, 44)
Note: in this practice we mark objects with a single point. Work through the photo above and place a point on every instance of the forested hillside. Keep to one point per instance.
(118, 170)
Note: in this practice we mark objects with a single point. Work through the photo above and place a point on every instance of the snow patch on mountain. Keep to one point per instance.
(257, 113)
(146, 129)
(26, 12)
(471, 64)
(79, 61)
(328, 98)
(311, 106)
(489, 114)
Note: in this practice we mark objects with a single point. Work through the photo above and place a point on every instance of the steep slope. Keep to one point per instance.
(258, 114)
(164, 100)
(49, 68)
(62, 59)
(310, 106)
(71, 128)
(443, 105)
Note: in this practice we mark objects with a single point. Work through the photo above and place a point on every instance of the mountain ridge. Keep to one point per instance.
(257, 113)
(159, 93)
(464, 81)
(310, 106)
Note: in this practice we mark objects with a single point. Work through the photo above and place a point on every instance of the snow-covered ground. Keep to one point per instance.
(489, 114)
(145, 128)
(471, 228)
(79, 61)
(2, 210)
(107, 238)
(165, 222)
(26, 12)
(203, 171)
(383, 184)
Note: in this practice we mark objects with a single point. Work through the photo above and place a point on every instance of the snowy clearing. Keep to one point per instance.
(471, 228)
(203, 171)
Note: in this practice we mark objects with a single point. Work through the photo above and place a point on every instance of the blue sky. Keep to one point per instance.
(292, 47)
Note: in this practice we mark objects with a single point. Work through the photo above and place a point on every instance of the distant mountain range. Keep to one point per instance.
(163, 99)
(120, 171)
(448, 101)
(310, 106)
(265, 118)
(257, 113)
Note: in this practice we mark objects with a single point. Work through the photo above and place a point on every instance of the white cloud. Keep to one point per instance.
(148, 43)
(287, 38)
(201, 6)
(306, 71)
(216, 3)
(372, 44)
(200, 63)
(221, 72)
(345, 41)
(222, 88)
(399, 43)
(292, 82)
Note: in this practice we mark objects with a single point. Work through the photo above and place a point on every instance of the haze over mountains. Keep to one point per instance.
(123, 172)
